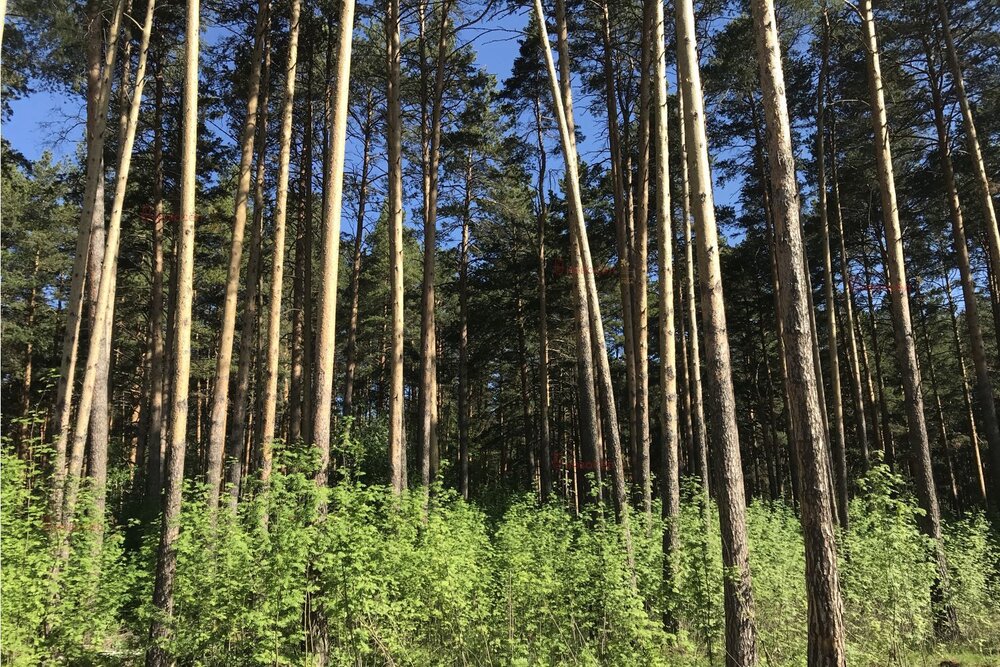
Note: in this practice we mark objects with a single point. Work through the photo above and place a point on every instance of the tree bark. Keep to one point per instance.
(946, 621)
(984, 385)
(249, 327)
(352, 324)
(838, 446)
(826, 622)
(336, 120)
(982, 179)
(223, 363)
(428, 327)
(166, 561)
(397, 435)
(464, 398)
(99, 73)
(741, 637)
(270, 392)
(98, 356)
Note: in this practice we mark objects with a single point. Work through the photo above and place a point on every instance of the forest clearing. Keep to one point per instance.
(462, 332)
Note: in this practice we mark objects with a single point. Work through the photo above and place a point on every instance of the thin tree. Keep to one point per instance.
(984, 385)
(741, 636)
(270, 392)
(837, 440)
(104, 310)
(336, 122)
(670, 474)
(909, 367)
(99, 72)
(166, 557)
(982, 179)
(826, 615)
(223, 362)
(397, 435)
(428, 328)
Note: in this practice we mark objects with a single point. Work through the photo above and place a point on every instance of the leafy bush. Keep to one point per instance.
(428, 579)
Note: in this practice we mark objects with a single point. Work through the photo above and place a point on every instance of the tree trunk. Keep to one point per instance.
(220, 395)
(352, 324)
(694, 364)
(837, 441)
(249, 327)
(641, 472)
(270, 393)
(336, 120)
(397, 435)
(463, 336)
(741, 637)
(670, 463)
(428, 328)
(622, 233)
(946, 621)
(977, 460)
(98, 96)
(826, 623)
(166, 561)
(98, 352)
(544, 443)
(982, 179)
(857, 394)
(984, 385)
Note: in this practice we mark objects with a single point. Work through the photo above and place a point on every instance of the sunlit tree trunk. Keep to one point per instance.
(691, 315)
(544, 440)
(99, 73)
(98, 358)
(826, 622)
(397, 435)
(640, 281)
(223, 362)
(235, 449)
(563, 112)
(428, 329)
(166, 560)
(336, 121)
(270, 390)
(670, 464)
(741, 637)
(902, 325)
(982, 179)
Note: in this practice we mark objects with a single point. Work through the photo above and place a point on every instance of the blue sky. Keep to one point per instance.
(54, 121)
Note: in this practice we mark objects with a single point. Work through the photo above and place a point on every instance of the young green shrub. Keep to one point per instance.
(974, 562)
(886, 573)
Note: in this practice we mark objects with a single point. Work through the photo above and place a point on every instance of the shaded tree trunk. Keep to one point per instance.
(826, 622)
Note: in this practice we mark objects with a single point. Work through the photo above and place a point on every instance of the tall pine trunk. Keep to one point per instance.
(270, 390)
(909, 367)
(741, 636)
(166, 558)
(223, 362)
(826, 622)
(336, 122)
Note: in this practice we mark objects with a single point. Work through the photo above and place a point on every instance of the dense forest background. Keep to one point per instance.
(675, 344)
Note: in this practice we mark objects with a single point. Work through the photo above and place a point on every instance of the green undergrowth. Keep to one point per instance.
(378, 579)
